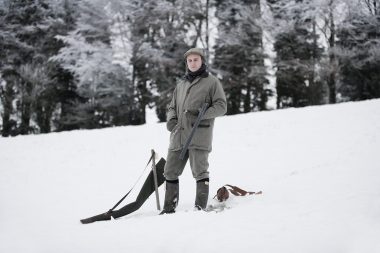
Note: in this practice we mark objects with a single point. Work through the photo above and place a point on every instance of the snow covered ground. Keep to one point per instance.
(318, 168)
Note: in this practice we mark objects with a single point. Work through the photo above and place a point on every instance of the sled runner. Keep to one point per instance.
(150, 185)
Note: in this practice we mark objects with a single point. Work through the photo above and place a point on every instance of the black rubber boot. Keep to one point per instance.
(171, 196)
(202, 194)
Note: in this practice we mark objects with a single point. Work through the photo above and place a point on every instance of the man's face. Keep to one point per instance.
(194, 62)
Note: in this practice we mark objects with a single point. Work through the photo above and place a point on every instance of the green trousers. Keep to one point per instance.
(198, 163)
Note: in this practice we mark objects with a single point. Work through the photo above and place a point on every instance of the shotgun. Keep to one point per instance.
(196, 124)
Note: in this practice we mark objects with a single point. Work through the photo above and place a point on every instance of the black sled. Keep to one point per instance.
(147, 189)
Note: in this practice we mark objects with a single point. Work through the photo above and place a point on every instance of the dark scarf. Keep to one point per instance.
(202, 72)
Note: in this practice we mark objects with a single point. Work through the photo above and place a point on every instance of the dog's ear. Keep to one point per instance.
(222, 194)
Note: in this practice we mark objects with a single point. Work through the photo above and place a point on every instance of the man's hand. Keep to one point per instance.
(171, 124)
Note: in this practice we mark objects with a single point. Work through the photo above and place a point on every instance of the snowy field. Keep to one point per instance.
(318, 168)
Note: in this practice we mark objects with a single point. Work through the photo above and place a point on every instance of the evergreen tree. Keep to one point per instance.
(297, 54)
(157, 40)
(102, 85)
(24, 28)
(329, 13)
(359, 51)
(63, 90)
(239, 56)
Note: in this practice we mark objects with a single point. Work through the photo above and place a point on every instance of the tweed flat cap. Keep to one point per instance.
(198, 51)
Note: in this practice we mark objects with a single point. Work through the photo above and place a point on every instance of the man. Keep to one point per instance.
(196, 88)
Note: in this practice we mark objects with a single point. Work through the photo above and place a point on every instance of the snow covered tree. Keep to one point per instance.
(102, 84)
(328, 14)
(158, 34)
(239, 55)
(38, 85)
(24, 34)
(298, 54)
(359, 51)
(329, 10)
(62, 95)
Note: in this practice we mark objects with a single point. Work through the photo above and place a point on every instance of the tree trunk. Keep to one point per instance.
(313, 91)
(26, 109)
(7, 98)
(247, 99)
(234, 101)
(44, 110)
(207, 33)
(331, 79)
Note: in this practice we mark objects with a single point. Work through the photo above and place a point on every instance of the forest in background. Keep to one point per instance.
(85, 64)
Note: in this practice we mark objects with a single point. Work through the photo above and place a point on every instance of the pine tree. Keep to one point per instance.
(102, 85)
(330, 23)
(359, 53)
(24, 29)
(297, 54)
(239, 56)
(157, 40)
(56, 104)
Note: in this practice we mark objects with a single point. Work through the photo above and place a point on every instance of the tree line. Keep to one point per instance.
(85, 64)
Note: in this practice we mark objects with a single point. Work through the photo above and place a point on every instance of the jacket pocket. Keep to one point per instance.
(201, 125)
(203, 135)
